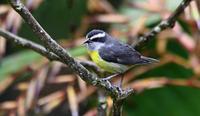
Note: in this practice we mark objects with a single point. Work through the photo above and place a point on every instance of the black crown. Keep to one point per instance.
(94, 32)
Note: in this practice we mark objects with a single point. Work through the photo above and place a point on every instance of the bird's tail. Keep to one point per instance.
(147, 60)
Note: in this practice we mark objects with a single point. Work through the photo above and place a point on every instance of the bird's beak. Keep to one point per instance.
(86, 41)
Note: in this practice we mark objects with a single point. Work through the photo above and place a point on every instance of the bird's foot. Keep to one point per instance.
(119, 88)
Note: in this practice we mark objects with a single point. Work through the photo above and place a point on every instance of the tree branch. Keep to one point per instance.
(165, 24)
(52, 46)
(117, 107)
(29, 44)
(41, 50)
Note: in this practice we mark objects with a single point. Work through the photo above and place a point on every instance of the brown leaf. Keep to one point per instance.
(2, 46)
(100, 6)
(8, 105)
(35, 87)
(6, 83)
(111, 18)
(72, 99)
(51, 97)
(4, 9)
(184, 39)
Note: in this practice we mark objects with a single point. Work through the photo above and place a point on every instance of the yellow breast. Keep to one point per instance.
(107, 66)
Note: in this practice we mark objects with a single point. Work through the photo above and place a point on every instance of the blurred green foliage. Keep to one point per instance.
(165, 101)
(59, 18)
(15, 62)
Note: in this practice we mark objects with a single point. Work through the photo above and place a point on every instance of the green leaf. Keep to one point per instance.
(170, 70)
(166, 101)
(15, 62)
(18, 61)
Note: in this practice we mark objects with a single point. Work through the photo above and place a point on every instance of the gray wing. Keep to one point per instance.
(120, 53)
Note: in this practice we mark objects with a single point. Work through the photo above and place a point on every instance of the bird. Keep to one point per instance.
(112, 55)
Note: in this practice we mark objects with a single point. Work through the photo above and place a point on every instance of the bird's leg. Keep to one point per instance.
(121, 81)
(110, 77)
(114, 75)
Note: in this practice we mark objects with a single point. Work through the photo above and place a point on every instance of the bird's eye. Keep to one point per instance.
(95, 39)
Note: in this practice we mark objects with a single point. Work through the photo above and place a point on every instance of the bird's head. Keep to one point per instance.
(95, 39)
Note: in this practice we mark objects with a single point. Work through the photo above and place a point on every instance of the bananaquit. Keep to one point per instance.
(112, 55)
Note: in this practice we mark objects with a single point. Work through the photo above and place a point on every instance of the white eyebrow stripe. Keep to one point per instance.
(98, 36)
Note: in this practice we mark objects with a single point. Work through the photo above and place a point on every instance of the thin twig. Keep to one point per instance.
(165, 24)
(28, 44)
(41, 50)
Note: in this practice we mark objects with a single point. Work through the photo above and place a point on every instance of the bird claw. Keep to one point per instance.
(118, 88)
(104, 79)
